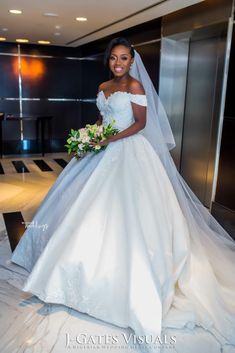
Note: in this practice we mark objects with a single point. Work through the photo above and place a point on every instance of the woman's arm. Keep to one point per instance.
(99, 121)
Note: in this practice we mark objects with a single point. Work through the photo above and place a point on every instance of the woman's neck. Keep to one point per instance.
(121, 79)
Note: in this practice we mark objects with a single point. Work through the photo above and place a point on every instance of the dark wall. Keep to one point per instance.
(197, 16)
(137, 34)
(225, 192)
(94, 73)
(47, 73)
(230, 94)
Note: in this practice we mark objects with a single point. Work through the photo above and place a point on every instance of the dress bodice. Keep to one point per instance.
(118, 107)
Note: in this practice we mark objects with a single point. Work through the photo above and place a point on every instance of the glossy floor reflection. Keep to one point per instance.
(31, 326)
(24, 191)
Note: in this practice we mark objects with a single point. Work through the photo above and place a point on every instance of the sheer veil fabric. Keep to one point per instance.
(206, 284)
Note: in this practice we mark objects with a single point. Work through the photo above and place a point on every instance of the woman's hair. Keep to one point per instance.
(113, 43)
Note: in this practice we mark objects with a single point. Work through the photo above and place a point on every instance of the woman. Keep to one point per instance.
(124, 218)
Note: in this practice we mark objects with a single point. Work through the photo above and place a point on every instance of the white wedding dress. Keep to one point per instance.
(117, 245)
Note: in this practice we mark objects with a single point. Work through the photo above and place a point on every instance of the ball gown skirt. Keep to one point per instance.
(117, 245)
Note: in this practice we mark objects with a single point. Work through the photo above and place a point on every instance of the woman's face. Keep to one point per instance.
(120, 60)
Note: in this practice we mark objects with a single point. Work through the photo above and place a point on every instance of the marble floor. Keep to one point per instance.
(29, 325)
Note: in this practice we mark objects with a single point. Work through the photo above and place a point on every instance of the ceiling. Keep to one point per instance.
(104, 17)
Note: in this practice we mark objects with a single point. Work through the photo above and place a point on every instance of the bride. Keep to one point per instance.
(127, 241)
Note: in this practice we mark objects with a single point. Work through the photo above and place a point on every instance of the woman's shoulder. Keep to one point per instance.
(133, 86)
(137, 93)
(104, 85)
(136, 87)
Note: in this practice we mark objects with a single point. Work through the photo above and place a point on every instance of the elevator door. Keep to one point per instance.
(202, 104)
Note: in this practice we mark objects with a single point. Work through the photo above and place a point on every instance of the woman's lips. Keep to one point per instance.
(118, 69)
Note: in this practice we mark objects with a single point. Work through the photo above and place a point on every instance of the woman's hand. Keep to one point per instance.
(104, 142)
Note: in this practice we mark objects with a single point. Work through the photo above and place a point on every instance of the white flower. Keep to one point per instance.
(85, 139)
(100, 130)
(97, 147)
(80, 146)
(83, 133)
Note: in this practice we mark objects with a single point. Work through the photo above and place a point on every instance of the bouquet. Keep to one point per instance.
(82, 141)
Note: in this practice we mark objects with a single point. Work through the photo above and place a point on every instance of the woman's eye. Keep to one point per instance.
(122, 58)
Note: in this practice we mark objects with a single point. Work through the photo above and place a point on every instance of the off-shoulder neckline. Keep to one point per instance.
(125, 92)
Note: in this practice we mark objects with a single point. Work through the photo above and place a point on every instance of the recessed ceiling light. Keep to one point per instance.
(22, 40)
(81, 18)
(50, 14)
(44, 42)
(16, 12)
(57, 33)
(4, 29)
(2, 39)
(58, 27)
